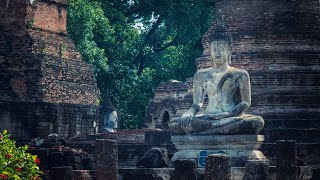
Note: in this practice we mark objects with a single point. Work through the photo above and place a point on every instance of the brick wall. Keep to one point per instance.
(26, 120)
(45, 85)
(277, 42)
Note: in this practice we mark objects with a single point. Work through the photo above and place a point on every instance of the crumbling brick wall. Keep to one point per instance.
(45, 85)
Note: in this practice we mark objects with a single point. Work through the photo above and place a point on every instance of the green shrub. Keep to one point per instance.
(15, 163)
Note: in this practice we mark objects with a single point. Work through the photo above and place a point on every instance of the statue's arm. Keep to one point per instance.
(198, 94)
(245, 95)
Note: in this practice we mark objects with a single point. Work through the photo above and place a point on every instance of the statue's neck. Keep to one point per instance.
(222, 68)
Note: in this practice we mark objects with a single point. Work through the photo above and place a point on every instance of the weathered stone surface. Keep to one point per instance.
(106, 159)
(256, 170)
(155, 158)
(63, 173)
(217, 167)
(287, 164)
(184, 169)
(158, 137)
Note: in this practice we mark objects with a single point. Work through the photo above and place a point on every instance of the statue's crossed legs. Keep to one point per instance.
(243, 124)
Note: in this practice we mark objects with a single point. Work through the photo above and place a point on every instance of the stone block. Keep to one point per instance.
(106, 159)
(158, 137)
(155, 158)
(287, 164)
(256, 170)
(217, 167)
(184, 169)
(107, 172)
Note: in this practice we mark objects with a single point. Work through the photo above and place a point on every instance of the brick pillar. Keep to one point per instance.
(287, 160)
(184, 169)
(63, 173)
(256, 170)
(106, 159)
(217, 167)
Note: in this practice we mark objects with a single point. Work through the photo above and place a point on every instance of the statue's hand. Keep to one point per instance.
(186, 119)
(220, 115)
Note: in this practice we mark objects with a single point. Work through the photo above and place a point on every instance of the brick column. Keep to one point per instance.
(287, 160)
(217, 167)
(184, 169)
(106, 159)
(256, 170)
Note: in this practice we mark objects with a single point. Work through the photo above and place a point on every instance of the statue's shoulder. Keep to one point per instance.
(202, 72)
(240, 72)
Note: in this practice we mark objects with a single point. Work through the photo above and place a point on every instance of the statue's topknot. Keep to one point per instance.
(217, 31)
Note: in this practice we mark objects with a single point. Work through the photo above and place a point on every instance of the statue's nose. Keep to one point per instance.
(218, 54)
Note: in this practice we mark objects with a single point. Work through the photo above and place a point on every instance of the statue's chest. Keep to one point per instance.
(210, 84)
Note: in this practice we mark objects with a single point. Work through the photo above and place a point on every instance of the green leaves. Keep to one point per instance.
(15, 163)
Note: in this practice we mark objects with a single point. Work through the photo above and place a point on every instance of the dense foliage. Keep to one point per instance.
(135, 44)
(15, 163)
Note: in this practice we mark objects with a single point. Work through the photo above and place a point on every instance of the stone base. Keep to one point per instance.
(240, 148)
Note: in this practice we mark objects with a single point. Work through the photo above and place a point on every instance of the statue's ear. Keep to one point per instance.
(229, 55)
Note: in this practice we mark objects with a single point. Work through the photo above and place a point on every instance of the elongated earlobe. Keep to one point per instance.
(229, 56)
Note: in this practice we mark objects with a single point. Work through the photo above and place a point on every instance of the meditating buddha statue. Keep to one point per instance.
(228, 93)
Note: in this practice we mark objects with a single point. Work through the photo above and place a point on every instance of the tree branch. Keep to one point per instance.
(140, 59)
(171, 43)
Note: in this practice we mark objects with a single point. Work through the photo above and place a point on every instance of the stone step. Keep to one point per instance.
(268, 59)
(278, 78)
(285, 90)
(289, 124)
(283, 111)
(300, 135)
(307, 152)
(305, 101)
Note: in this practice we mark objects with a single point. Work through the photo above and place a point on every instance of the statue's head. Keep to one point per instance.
(111, 121)
(218, 41)
(110, 116)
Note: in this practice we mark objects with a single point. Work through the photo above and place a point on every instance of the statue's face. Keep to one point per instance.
(220, 52)
(111, 121)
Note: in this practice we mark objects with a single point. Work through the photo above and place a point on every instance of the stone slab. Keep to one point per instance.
(240, 148)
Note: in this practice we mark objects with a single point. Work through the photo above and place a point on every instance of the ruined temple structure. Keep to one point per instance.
(167, 103)
(277, 42)
(45, 85)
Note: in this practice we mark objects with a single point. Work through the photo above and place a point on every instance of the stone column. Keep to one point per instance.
(63, 173)
(184, 169)
(217, 167)
(256, 170)
(286, 160)
(106, 159)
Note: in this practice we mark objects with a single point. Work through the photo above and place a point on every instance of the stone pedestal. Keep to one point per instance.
(106, 159)
(217, 167)
(287, 164)
(256, 170)
(184, 169)
(240, 148)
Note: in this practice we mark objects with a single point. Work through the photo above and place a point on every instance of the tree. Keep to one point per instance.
(135, 44)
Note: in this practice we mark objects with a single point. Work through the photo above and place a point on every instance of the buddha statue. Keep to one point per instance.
(110, 117)
(228, 93)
